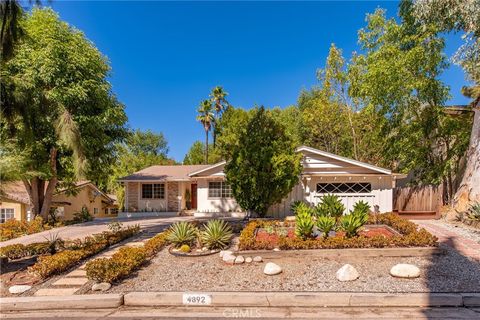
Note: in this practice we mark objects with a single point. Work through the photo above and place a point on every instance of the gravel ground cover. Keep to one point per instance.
(451, 272)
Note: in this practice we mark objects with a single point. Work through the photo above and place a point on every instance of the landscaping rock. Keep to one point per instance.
(103, 286)
(225, 252)
(276, 249)
(404, 270)
(248, 259)
(347, 273)
(272, 269)
(290, 218)
(229, 259)
(239, 260)
(19, 289)
(257, 259)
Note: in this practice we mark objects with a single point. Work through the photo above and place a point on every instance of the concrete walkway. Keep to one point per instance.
(449, 237)
(149, 225)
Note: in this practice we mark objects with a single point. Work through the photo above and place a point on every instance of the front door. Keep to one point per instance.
(194, 195)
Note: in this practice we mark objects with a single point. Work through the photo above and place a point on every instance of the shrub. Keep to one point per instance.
(331, 205)
(325, 224)
(361, 206)
(82, 216)
(155, 244)
(185, 248)
(77, 250)
(12, 228)
(115, 226)
(182, 233)
(217, 234)
(303, 222)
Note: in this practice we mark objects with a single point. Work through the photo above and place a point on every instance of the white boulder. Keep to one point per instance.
(102, 286)
(404, 270)
(229, 258)
(276, 249)
(272, 269)
(19, 289)
(257, 259)
(239, 260)
(347, 273)
(248, 259)
(225, 252)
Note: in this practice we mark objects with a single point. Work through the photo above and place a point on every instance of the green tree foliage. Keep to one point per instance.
(140, 149)
(220, 103)
(264, 166)
(66, 119)
(207, 119)
(231, 126)
(196, 154)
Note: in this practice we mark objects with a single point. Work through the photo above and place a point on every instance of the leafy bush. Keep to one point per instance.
(18, 251)
(217, 234)
(182, 233)
(82, 216)
(303, 222)
(473, 212)
(155, 244)
(11, 229)
(115, 226)
(78, 250)
(325, 224)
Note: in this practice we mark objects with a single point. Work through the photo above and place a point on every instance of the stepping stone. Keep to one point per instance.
(19, 289)
(70, 282)
(77, 273)
(56, 292)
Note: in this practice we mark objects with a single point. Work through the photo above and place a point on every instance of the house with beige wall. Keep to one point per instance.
(15, 203)
(161, 190)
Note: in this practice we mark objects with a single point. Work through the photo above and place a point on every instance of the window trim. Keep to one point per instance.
(222, 190)
(153, 193)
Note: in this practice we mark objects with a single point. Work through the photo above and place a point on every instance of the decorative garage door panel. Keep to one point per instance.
(348, 192)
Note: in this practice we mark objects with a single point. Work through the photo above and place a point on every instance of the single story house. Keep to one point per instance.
(15, 203)
(157, 190)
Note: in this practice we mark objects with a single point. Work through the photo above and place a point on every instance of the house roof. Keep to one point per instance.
(164, 173)
(16, 191)
(347, 160)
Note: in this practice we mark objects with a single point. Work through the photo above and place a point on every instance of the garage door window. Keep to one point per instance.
(355, 187)
(6, 214)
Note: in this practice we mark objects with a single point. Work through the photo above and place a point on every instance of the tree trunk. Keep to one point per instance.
(206, 146)
(52, 183)
(469, 189)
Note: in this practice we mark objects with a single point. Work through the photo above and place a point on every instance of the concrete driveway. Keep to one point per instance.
(148, 225)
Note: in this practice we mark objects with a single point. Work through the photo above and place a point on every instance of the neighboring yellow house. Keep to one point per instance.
(15, 203)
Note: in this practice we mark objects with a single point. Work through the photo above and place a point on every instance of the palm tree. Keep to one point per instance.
(220, 103)
(207, 119)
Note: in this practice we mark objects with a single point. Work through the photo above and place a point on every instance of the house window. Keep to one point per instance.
(6, 214)
(355, 187)
(219, 189)
(113, 210)
(95, 210)
(153, 191)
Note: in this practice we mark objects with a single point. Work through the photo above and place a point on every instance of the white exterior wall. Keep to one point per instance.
(207, 205)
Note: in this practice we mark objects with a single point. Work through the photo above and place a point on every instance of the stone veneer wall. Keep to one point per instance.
(132, 196)
(172, 197)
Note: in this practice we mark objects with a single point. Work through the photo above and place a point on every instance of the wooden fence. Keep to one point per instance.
(418, 199)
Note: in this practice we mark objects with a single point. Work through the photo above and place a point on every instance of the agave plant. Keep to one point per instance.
(295, 205)
(303, 222)
(332, 206)
(353, 222)
(181, 233)
(217, 234)
(473, 212)
(325, 224)
(361, 206)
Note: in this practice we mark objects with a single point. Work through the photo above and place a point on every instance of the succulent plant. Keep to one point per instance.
(181, 233)
(326, 224)
(217, 234)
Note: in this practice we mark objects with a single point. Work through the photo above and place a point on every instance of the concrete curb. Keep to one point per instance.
(88, 301)
(308, 299)
(242, 299)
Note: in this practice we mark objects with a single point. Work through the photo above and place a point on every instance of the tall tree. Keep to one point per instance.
(72, 118)
(196, 154)
(264, 167)
(459, 15)
(220, 104)
(206, 118)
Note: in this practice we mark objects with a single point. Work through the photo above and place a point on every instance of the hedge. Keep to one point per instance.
(125, 261)
(410, 237)
(78, 250)
(12, 229)
(18, 251)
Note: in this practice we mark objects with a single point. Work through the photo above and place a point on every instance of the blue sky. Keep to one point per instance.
(167, 56)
